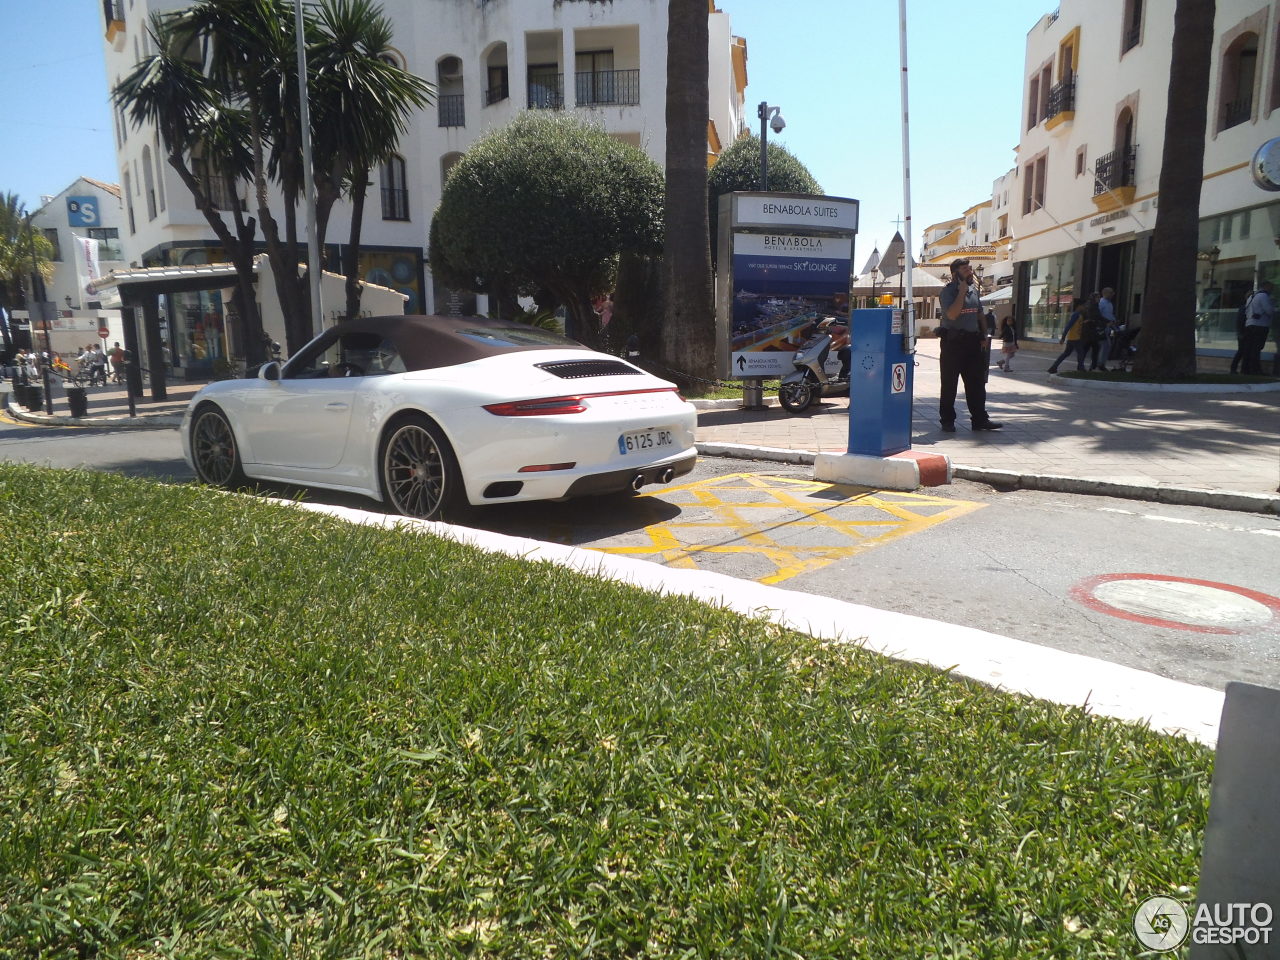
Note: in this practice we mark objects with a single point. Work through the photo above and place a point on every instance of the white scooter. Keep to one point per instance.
(816, 374)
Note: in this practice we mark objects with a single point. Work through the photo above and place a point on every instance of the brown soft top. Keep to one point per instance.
(427, 342)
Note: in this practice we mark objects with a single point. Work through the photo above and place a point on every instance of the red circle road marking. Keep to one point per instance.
(1084, 593)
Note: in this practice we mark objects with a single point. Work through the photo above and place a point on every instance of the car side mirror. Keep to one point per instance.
(269, 371)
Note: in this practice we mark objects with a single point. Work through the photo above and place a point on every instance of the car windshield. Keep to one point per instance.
(525, 337)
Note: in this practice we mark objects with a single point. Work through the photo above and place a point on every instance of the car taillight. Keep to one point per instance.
(537, 408)
(550, 406)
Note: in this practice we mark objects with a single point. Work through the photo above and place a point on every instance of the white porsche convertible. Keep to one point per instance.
(432, 414)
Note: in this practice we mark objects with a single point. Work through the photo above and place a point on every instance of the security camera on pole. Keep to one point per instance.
(769, 117)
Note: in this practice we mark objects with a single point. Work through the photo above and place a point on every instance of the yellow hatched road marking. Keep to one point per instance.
(835, 522)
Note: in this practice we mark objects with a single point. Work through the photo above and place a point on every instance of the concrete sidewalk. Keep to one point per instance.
(1218, 448)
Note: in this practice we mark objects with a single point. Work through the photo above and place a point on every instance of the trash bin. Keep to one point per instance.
(34, 399)
(77, 401)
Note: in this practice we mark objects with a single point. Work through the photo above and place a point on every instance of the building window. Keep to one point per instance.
(1046, 88)
(450, 109)
(1132, 25)
(1041, 163)
(1028, 183)
(128, 203)
(1239, 74)
(597, 82)
(149, 183)
(499, 85)
(1080, 163)
(108, 242)
(395, 193)
(546, 87)
(1275, 73)
(159, 172)
(1033, 102)
(52, 236)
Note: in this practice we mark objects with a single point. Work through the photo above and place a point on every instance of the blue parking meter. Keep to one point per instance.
(881, 377)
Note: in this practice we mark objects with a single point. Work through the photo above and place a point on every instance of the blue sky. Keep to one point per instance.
(832, 65)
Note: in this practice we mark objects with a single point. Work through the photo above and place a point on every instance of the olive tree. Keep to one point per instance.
(544, 207)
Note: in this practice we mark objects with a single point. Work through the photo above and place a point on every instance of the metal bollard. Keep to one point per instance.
(133, 381)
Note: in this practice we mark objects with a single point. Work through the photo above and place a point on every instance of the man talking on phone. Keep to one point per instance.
(964, 355)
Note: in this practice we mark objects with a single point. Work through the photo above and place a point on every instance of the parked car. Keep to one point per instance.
(431, 415)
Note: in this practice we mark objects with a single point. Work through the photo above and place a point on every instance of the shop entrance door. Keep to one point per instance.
(1111, 266)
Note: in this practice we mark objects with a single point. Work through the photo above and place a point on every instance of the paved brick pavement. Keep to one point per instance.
(1216, 441)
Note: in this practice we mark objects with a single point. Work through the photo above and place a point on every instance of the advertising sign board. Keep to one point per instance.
(785, 264)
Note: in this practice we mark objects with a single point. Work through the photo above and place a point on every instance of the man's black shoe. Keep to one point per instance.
(948, 428)
(987, 425)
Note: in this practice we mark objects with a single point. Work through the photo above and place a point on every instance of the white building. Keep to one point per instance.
(1088, 167)
(490, 59)
(83, 224)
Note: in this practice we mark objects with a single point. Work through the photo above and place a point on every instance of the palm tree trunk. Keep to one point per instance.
(688, 329)
(351, 256)
(1168, 347)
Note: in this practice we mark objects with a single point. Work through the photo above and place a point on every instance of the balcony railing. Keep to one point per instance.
(496, 93)
(113, 11)
(546, 91)
(1062, 98)
(451, 111)
(1237, 112)
(395, 204)
(1114, 170)
(607, 87)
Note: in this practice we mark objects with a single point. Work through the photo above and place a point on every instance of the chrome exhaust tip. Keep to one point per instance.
(637, 481)
(667, 475)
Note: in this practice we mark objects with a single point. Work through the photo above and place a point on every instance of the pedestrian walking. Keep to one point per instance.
(1257, 327)
(1008, 344)
(964, 347)
(1106, 330)
(1073, 337)
(116, 356)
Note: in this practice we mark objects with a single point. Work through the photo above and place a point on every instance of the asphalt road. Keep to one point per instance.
(1188, 593)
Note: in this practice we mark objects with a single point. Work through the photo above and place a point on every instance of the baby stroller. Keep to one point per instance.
(1123, 349)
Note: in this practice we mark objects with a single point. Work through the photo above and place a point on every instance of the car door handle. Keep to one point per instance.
(335, 405)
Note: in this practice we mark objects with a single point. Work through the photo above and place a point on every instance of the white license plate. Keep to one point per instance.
(641, 440)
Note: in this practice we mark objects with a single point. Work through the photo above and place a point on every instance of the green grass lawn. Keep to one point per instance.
(229, 728)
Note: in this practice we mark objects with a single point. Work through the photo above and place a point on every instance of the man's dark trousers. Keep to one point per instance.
(1255, 338)
(964, 357)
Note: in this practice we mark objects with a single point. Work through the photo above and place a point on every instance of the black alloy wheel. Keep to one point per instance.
(214, 449)
(419, 473)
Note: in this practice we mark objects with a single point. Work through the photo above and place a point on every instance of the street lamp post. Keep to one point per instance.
(769, 117)
(902, 270)
(875, 276)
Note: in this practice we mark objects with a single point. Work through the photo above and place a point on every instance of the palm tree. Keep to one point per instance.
(22, 250)
(249, 56)
(362, 104)
(1168, 326)
(223, 88)
(197, 129)
(688, 326)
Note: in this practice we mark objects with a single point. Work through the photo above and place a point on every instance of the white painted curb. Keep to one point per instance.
(1011, 665)
(880, 472)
